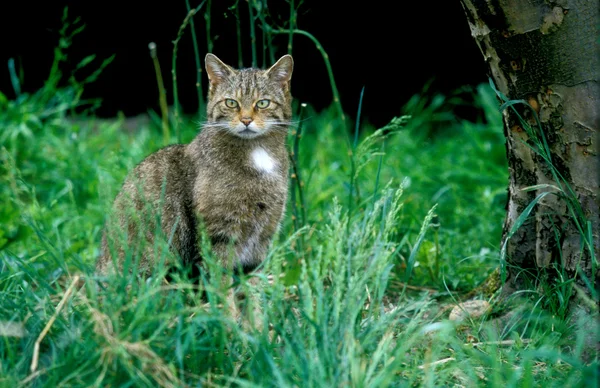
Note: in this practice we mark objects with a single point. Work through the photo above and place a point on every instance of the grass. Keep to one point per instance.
(341, 320)
(356, 294)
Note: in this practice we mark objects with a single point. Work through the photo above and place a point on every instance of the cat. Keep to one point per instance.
(231, 180)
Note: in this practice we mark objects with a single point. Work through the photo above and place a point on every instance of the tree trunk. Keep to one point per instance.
(546, 53)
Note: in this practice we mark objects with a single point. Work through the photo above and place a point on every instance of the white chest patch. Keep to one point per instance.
(262, 161)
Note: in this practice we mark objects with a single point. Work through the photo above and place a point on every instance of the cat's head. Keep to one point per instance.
(249, 102)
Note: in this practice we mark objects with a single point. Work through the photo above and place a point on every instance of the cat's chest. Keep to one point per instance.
(262, 162)
(256, 176)
(257, 168)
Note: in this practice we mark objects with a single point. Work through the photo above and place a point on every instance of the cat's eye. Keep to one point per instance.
(230, 103)
(262, 104)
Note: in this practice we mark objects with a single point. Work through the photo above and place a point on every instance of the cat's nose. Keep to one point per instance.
(246, 120)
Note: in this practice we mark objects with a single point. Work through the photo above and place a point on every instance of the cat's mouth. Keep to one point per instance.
(248, 133)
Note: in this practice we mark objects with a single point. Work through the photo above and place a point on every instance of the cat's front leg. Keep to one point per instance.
(224, 250)
(253, 309)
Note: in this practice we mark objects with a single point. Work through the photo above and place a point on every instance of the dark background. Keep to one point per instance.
(393, 48)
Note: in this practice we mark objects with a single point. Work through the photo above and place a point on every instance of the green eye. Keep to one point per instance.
(231, 103)
(262, 104)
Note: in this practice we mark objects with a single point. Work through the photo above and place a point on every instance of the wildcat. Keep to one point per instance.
(231, 179)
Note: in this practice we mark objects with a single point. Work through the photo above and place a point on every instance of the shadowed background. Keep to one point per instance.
(391, 48)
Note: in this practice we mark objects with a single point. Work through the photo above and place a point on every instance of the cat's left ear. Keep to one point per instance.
(281, 71)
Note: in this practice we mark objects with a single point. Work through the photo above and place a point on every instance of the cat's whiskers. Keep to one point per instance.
(291, 123)
(215, 125)
(269, 125)
(281, 123)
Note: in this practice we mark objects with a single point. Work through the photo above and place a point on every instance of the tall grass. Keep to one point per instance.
(340, 321)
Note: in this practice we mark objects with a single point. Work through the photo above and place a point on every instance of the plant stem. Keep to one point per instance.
(351, 152)
(294, 179)
(291, 27)
(238, 27)
(198, 64)
(378, 176)
(162, 96)
(296, 163)
(187, 19)
(435, 223)
(252, 33)
(298, 217)
(209, 42)
(266, 35)
(13, 77)
(261, 17)
(334, 90)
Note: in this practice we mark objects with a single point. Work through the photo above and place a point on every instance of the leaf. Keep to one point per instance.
(413, 253)
(92, 77)
(542, 186)
(85, 61)
(510, 103)
(521, 220)
(14, 79)
(498, 93)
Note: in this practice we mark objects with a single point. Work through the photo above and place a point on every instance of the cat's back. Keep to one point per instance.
(163, 173)
(160, 185)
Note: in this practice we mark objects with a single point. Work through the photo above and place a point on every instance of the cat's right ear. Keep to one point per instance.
(282, 70)
(217, 71)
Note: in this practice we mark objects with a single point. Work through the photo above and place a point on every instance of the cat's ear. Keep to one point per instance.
(282, 70)
(215, 68)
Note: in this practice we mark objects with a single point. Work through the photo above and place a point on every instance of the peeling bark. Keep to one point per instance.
(547, 53)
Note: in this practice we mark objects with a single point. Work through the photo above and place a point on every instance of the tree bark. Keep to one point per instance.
(547, 53)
